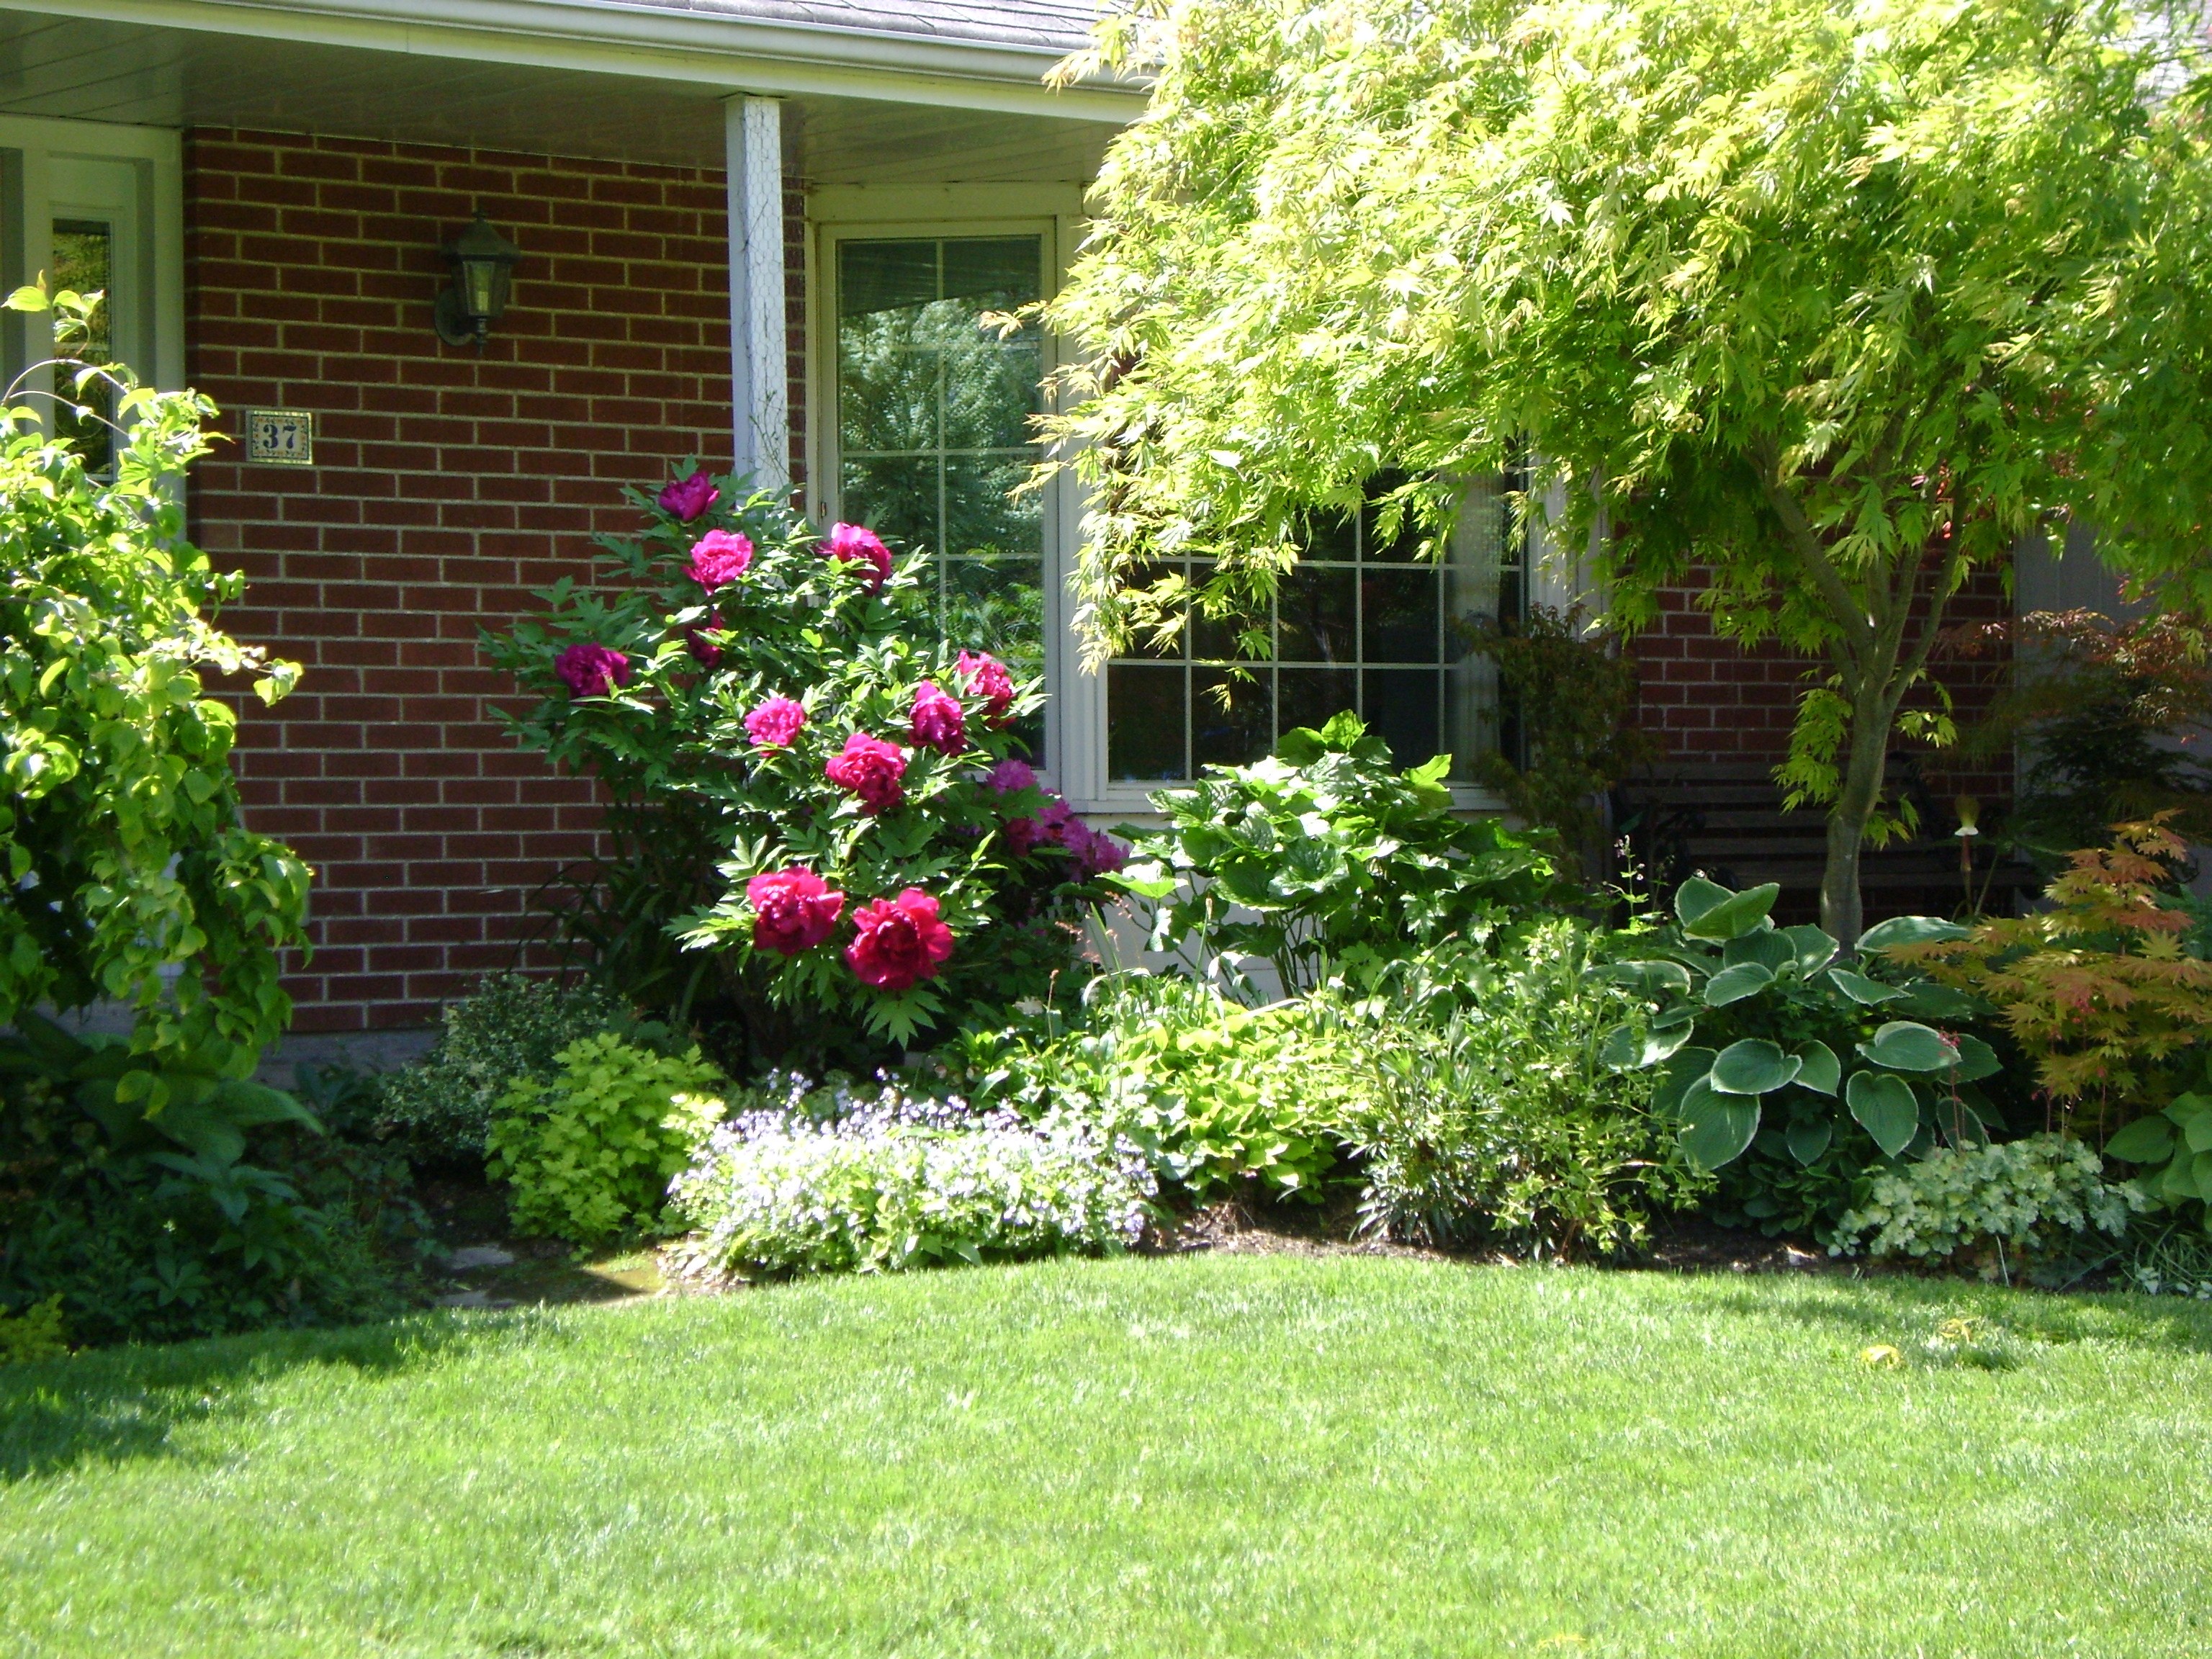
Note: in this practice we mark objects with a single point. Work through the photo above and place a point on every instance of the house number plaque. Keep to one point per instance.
(280, 437)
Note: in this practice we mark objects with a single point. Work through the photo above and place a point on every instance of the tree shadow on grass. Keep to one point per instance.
(118, 1404)
(1891, 1306)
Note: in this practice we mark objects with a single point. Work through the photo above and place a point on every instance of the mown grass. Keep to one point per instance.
(1207, 1455)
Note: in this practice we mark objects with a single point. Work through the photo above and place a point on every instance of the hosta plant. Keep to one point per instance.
(1764, 1030)
(821, 802)
(2172, 1150)
(1324, 857)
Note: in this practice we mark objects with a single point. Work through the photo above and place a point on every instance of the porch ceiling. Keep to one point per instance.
(98, 69)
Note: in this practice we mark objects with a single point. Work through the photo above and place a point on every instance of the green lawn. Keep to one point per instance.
(1203, 1455)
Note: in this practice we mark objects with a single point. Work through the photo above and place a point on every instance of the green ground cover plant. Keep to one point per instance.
(1205, 1456)
(2039, 1196)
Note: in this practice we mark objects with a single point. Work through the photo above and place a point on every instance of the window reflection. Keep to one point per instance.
(84, 253)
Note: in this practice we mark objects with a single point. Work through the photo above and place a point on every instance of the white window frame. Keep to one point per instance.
(151, 340)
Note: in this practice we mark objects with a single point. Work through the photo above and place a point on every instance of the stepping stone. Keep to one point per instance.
(478, 1255)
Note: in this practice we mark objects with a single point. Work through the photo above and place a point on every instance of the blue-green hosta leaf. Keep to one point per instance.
(1905, 1045)
(1654, 980)
(1861, 990)
(1626, 1048)
(2147, 1140)
(1716, 1128)
(1887, 1108)
(1767, 947)
(1746, 979)
(1977, 1059)
(1923, 999)
(1814, 947)
(1685, 1067)
(1807, 1141)
(1753, 1066)
(1696, 899)
(2178, 1184)
(1910, 930)
(1817, 1068)
(2189, 1110)
(1735, 914)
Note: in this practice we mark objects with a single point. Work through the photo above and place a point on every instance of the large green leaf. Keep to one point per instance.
(1923, 999)
(1769, 947)
(1656, 980)
(1887, 1108)
(1629, 1049)
(2147, 1140)
(1859, 989)
(1696, 899)
(1746, 979)
(1753, 1066)
(1977, 1059)
(1910, 930)
(1814, 947)
(1737, 914)
(1817, 1068)
(2178, 1184)
(1686, 1067)
(1905, 1045)
(1808, 1139)
(1716, 1128)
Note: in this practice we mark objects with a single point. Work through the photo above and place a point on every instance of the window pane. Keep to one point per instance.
(992, 273)
(1145, 741)
(897, 498)
(997, 605)
(1402, 709)
(84, 261)
(983, 516)
(1400, 622)
(1241, 732)
(876, 277)
(1317, 616)
(1308, 697)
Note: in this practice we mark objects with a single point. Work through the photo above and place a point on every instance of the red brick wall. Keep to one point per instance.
(447, 484)
(1710, 700)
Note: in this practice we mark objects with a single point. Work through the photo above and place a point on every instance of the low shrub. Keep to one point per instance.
(2036, 1196)
(1323, 861)
(441, 1106)
(34, 1334)
(588, 1157)
(1493, 1115)
(822, 1180)
(1215, 1093)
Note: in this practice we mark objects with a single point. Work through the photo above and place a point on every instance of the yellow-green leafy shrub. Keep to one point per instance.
(589, 1154)
(33, 1334)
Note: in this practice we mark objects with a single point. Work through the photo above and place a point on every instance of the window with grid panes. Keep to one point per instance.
(934, 407)
(1359, 624)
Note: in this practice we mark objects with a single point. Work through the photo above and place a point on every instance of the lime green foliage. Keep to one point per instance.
(513, 1028)
(1492, 1115)
(588, 1156)
(123, 852)
(2037, 1196)
(1789, 1030)
(33, 1334)
(1343, 863)
(824, 1180)
(1839, 302)
(1215, 1093)
(1226, 1456)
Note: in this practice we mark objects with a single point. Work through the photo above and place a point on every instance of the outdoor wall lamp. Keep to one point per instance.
(483, 261)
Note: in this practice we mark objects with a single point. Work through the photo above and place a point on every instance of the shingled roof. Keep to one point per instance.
(1057, 27)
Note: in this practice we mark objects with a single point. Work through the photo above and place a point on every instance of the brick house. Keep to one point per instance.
(742, 224)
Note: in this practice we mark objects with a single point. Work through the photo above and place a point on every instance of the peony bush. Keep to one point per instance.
(823, 813)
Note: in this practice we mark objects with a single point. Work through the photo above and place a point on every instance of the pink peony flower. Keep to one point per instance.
(718, 559)
(775, 723)
(986, 677)
(685, 499)
(871, 769)
(938, 722)
(1090, 851)
(848, 542)
(793, 910)
(591, 671)
(900, 941)
(703, 650)
(1011, 775)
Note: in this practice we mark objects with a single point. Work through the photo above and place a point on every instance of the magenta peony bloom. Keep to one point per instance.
(1090, 851)
(775, 723)
(986, 677)
(848, 542)
(938, 722)
(1011, 775)
(719, 559)
(591, 671)
(793, 910)
(870, 768)
(685, 499)
(900, 941)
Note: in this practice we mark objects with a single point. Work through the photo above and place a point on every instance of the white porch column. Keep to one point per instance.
(759, 354)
